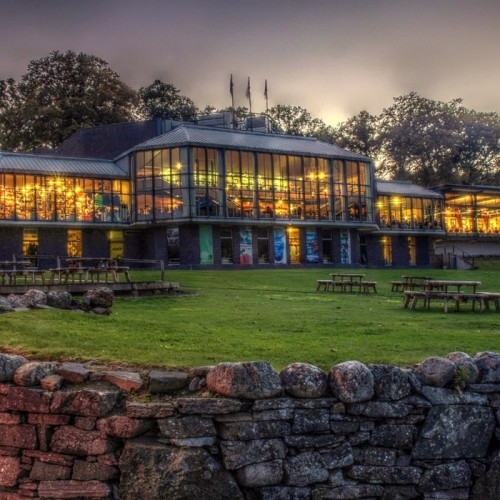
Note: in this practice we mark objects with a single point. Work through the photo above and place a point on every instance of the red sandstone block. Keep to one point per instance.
(49, 458)
(75, 373)
(44, 434)
(87, 402)
(10, 418)
(127, 381)
(28, 486)
(27, 494)
(69, 439)
(123, 427)
(85, 423)
(10, 469)
(51, 382)
(25, 399)
(9, 451)
(46, 472)
(88, 471)
(18, 436)
(47, 419)
(72, 489)
(149, 410)
(108, 459)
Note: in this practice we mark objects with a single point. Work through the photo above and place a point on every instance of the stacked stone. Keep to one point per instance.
(358, 431)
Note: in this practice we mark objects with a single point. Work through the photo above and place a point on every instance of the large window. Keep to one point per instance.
(240, 184)
(250, 185)
(28, 197)
(208, 193)
(472, 213)
(158, 184)
(399, 212)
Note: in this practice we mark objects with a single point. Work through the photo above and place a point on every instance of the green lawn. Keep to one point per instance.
(271, 315)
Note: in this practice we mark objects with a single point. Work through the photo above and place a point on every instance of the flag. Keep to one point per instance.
(248, 94)
(265, 90)
(231, 85)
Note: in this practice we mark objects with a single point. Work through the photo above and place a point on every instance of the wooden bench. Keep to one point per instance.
(369, 285)
(411, 298)
(10, 276)
(326, 284)
(490, 296)
(360, 286)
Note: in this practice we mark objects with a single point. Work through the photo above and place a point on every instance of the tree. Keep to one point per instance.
(62, 93)
(359, 134)
(477, 155)
(432, 142)
(10, 101)
(418, 140)
(294, 120)
(163, 100)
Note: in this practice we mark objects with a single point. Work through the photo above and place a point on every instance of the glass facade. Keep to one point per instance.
(402, 212)
(467, 213)
(49, 198)
(248, 185)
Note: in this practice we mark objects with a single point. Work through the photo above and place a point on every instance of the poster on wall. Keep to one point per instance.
(206, 245)
(345, 247)
(246, 246)
(312, 247)
(280, 246)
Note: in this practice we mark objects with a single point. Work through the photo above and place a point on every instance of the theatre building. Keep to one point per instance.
(199, 196)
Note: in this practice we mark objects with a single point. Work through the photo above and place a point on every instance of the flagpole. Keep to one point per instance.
(249, 96)
(265, 95)
(231, 92)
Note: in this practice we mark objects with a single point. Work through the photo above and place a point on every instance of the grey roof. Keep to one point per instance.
(56, 165)
(195, 135)
(402, 188)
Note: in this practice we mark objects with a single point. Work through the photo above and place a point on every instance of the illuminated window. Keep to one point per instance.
(74, 243)
(116, 244)
(294, 242)
(30, 245)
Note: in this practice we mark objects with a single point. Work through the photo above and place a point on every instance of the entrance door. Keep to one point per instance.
(294, 241)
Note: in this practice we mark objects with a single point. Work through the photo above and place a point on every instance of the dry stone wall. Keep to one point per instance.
(244, 431)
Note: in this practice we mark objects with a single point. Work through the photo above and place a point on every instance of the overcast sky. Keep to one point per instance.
(334, 58)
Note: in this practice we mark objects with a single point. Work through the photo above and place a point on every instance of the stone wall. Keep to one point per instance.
(244, 431)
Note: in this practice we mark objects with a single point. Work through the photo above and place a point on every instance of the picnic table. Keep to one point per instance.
(89, 269)
(409, 282)
(450, 291)
(11, 270)
(346, 282)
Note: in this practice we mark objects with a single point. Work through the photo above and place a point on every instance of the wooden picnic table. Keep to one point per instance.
(345, 282)
(450, 285)
(89, 269)
(449, 290)
(11, 270)
(409, 282)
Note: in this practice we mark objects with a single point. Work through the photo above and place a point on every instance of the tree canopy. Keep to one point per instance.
(58, 95)
(163, 100)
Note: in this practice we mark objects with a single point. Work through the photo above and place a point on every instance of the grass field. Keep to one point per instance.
(270, 315)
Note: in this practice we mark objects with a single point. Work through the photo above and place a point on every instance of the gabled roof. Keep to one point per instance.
(402, 188)
(195, 135)
(56, 165)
